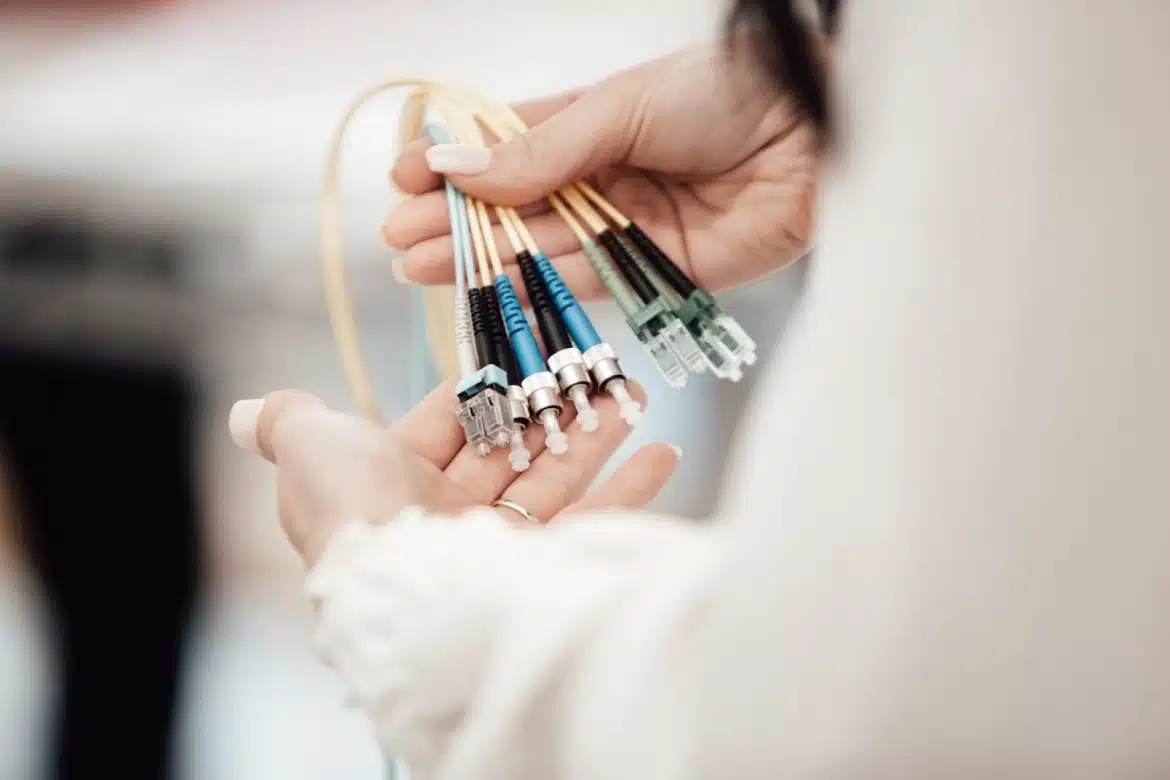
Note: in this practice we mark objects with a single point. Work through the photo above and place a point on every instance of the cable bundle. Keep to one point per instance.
(507, 382)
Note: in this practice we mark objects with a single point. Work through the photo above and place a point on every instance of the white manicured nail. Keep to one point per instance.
(397, 267)
(677, 452)
(457, 158)
(243, 421)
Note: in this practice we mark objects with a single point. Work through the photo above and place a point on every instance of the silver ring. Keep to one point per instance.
(528, 517)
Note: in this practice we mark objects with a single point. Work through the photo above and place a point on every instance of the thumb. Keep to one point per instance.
(594, 130)
(254, 423)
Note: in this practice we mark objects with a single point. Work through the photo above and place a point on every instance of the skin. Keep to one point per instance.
(697, 148)
(333, 468)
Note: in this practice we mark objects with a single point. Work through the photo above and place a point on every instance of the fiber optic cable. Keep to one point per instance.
(518, 456)
(721, 340)
(538, 385)
(669, 344)
(583, 345)
(497, 338)
(484, 412)
(565, 328)
(504, 379)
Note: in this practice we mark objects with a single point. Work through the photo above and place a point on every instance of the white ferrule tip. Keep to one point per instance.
(629, 409)
(555, 439)
(519, 456)
(587, 417)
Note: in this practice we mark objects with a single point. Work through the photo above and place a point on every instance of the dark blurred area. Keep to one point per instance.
(159, 169)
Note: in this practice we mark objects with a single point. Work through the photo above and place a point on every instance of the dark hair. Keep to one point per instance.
(785, 44)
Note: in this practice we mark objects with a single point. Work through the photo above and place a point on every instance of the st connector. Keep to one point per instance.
(652, 325)
(544, 403)
(518, 454)
(484, 411)
(603, 365)
(568, 365)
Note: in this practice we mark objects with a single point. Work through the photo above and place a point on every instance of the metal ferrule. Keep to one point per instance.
(543, 393)
(518, 401)
(603, 365)
(569, 367)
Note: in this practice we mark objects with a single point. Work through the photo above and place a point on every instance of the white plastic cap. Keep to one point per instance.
(520, 460)
(629, 409)
(587, 417)
(557, 443)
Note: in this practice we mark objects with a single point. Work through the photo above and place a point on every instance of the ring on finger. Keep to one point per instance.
(527, 517)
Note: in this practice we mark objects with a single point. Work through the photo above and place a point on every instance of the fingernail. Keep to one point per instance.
(457, 158)
(677, 452)
(383, 242)
(242, 422)
(398, 268)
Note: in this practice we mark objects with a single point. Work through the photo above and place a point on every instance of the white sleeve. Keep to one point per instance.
(465, 639)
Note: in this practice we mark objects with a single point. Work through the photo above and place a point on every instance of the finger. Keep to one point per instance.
(638, 482)
(595, 129)
(427, 216)
(574, 269)
(412, 176)
(431, 429)
(556, 481)
(533, 112)
(253, 423)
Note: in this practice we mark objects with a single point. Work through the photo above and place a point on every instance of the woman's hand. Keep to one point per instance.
(333, 468)
(696, 148)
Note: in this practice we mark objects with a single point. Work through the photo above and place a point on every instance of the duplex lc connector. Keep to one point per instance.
(648, 321)
(484, 410)
(718, 332)
(664, 329)
(724, 344)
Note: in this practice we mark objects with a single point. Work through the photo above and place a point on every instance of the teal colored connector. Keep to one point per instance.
(650, 322)
(721, 342)
(484, 411)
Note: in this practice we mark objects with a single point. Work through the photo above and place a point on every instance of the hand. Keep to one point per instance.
(696, 148)
(333, 468)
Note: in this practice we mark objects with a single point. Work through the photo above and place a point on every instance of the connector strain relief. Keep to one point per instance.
(625, 263)
(548, 319)
(463, 331)
(576, 321)
(484, 347)
(660, 261)
(495, 321)
(524, 346)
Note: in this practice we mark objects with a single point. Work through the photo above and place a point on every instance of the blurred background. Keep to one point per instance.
(159, 166)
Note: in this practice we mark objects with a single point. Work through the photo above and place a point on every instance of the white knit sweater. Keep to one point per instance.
(943, 553)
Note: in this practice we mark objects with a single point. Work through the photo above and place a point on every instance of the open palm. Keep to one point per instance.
(333, 468)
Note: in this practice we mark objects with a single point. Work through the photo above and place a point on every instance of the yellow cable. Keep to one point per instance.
(568, 217)
(602, 203)
(493, 251)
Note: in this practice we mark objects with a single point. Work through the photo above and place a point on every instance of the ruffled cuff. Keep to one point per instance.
(405, 613)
